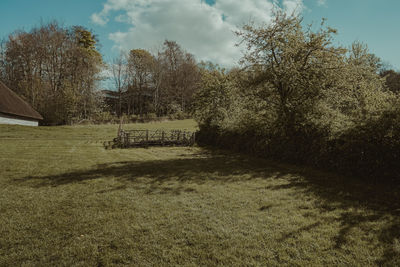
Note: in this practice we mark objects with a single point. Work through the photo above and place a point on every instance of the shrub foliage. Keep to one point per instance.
(300, 98)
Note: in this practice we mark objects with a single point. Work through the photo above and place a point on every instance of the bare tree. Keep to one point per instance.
(119, 70)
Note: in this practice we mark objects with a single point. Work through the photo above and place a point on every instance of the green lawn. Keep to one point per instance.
(65, 200)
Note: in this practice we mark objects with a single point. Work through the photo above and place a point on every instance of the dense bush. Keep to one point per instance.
(371, 149)
(300, 99)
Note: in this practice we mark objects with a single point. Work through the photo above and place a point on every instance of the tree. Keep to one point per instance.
(55, 69)
(180, 77)
(3, 62)
(141, 67)
(364, 92)
(309, 81)
(392, 80)
(88, 64)
(190, 78)
(161, 84)
(120, 74)
(291, 65)
(212, 101)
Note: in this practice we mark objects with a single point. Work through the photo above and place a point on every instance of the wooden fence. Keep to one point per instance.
(146, 138)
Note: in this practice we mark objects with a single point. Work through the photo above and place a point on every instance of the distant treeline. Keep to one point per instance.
(59, 71)
(158, 84)
(300, 98)
(55, 68)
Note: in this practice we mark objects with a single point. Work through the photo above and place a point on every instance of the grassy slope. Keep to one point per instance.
(65, 200)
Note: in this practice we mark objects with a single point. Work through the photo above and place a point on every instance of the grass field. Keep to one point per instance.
(65, 200)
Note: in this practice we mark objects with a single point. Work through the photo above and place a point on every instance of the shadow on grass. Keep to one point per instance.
(332, 191)
(352, 195)
(198, 169)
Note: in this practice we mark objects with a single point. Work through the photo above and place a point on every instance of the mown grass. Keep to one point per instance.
(65, 200)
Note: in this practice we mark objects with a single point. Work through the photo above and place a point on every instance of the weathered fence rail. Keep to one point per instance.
(146, 138)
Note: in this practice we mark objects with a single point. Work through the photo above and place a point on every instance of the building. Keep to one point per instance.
(14, 110)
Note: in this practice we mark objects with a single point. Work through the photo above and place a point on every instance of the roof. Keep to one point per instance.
(11, 103)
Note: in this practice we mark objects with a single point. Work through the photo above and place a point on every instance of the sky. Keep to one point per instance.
(205, 27)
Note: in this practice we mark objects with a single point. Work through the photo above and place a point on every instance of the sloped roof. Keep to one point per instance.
(11, 103)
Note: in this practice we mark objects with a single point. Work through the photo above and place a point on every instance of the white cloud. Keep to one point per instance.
(205, 31)
(98, 19)
(294, 7)
(321, 2)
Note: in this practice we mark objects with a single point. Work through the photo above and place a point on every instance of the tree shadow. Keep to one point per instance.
(332, 191)
(382, 201)
(195, 168)
(351, 220)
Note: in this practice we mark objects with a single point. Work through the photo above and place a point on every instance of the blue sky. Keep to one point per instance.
(205, 29)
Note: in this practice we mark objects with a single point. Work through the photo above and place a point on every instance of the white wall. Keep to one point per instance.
(5, 119)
